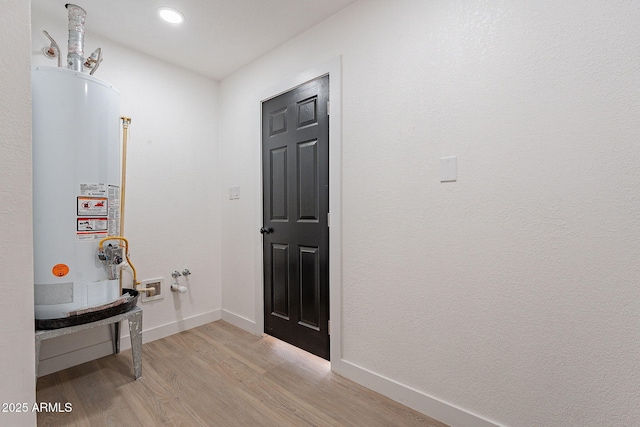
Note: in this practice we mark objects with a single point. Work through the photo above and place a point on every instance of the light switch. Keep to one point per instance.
(448, 169)
(234, 192)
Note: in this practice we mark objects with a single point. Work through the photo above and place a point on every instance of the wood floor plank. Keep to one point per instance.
(154, 402)
(245, 346)
(217, 375)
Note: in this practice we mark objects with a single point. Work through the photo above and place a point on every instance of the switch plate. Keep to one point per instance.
(234, 192)
(448, 169)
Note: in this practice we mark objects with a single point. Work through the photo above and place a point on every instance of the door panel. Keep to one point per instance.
(309, 287)
(277, 122)
(307, 112)
(279, 187)
(280, 280)
(308, 181)
(295, 147)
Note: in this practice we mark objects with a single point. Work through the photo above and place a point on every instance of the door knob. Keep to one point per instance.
(267, 230)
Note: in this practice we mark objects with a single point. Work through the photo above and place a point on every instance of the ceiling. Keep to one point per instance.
(217, 37)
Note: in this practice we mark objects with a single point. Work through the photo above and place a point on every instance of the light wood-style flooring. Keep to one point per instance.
(217, 375)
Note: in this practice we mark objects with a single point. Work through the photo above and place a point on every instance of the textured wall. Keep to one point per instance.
(172, 198)
(513, 292)
(16, 284)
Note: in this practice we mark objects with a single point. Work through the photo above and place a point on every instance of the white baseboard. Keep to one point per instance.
(240, 322)
(415, 399)
(86, 354)
(168, 329)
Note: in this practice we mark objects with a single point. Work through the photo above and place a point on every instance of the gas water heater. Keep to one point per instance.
(76, 183)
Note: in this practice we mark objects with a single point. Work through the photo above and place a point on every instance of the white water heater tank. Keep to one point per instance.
(76, 188)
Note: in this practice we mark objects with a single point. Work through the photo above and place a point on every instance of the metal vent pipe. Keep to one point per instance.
(75, 56)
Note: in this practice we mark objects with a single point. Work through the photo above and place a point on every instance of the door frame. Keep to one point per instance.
(333, 68)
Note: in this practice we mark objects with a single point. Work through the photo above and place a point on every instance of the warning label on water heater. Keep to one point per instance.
(90, 236)
(93, 189)
(114, 210)
(98, 212)
(93, 206)
(93, 224)
(90, 229)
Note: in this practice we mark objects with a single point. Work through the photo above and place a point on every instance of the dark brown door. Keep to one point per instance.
(295, 164)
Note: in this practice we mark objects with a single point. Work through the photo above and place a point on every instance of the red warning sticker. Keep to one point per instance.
(60, 270)
(92, 206)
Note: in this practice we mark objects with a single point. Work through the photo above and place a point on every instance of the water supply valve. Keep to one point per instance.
(177, 287)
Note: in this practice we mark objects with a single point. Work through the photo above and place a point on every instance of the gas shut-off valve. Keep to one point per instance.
(112, 256)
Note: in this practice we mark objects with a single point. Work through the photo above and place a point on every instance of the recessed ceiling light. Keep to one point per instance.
(172, 16)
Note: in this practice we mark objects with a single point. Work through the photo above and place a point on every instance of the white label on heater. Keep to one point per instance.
(90, 236)
(92, 224)
(97, 189)
(114, 210)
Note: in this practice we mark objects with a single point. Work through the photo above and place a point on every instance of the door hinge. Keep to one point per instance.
(329, 327)
(328, 108)
(328, 219)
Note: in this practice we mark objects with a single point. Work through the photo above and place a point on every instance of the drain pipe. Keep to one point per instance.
(76, 37)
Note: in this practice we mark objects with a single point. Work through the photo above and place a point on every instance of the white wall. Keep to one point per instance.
(512, 293)
(17, 376)
(172, 197)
